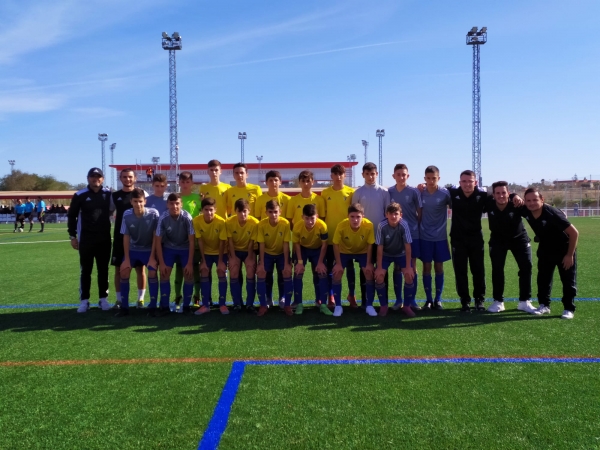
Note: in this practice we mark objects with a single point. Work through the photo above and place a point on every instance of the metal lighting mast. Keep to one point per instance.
(173, 43)
(102, 137)
(260, 158)
(365, 145)
(12, 165)
(380, 134)
(155, 161)
(476, 38)
(242, 137)
(112, 163)
(352, 158)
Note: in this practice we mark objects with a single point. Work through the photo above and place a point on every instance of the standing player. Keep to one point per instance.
(215, 188)
(241, 234)
(433, 235)
(409, 199)
(174, 243)
(558, 244)
(242, 189)
(374, 199)
(338, 198)
(41, 213)
(19, 215)
(212, 238)
(29, 210)
(138, 227)
(273, 237)
(353, 241)
(89, 231)
(309, 238)
(393, 242)
(158, 199)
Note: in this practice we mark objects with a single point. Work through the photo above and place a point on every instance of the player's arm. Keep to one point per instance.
(408, 269)
(203, 258)
(126, 264)
(286, 256)
(72, 218)
(189, 268)
(379, 272)
(573, 234)
(152, 260)
(299, 268)
(321, 268)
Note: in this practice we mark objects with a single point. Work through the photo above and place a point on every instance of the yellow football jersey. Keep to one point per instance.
(218, 193)
(242, 235)
(297, 202)
(275, 237)
(261, 205)
(251, 193)
(336, 207)
(211, 233)
(309, 238)
(354, 242)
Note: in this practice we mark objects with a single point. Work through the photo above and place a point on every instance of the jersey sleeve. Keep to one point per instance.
(378, 233)
(260, 234)
(72, 215)
(321, 210)
(124, 229)
(418, 200)
(228, 229)
(254, 232)
(323, 232)
(286, 232)
(190, 224)
(159, 226)
(196, 226)
(407, 236)
(371, 236)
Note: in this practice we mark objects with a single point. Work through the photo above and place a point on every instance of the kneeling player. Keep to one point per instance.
(393, 242)
(309, 238)
(138, 228)
(352, 241)
(241, 234)
(174, 242)
(273, 237)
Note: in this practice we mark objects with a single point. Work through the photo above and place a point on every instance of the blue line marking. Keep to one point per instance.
(218, 422)
(466, 360)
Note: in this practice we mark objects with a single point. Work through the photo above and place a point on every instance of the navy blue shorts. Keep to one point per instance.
(138, 258)
(309, 255)
(399, 262)
(415, 248)
(361, 259)
(437, 251)
(171, 256)
(272, 261)
(214, 259)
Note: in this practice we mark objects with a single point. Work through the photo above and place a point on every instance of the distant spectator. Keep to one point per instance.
(149, 174)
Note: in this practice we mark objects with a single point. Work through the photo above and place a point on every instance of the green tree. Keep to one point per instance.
(23, 181)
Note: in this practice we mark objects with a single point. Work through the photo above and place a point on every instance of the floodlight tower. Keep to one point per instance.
(173, 43)
(102, 137)
(476, 38)
(242, 137)
(260, 158)
(12, 165)
(365, 145)
(351, 158)
(112, 163)
(155, 161)
(380, 134)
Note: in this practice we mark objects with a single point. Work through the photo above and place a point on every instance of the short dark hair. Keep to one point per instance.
(159, 178)
(27, 198)
(272, 205)
(306, 175)
(126, 169)
(356, 208)
(499, 184)
(173, 197)
(138, 193)
(338, 169)
(207, 201)
(468, 173)
(272, 174)
(241, 204)
(214, 163)
(186, 175)
(240, 164)
(393, 207)
(369, 166)
(533, 190)
(432, 169)
(400, 167)
(309, 210)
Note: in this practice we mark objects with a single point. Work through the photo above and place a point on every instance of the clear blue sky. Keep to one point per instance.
(306, 80)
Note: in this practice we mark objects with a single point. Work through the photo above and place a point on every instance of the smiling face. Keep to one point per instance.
(468, 183)
(138, 205)
(501, 195)
(174, 207)
(393, 217)
(534, 201)
(127, 179)
(401, 176)
(95, 181)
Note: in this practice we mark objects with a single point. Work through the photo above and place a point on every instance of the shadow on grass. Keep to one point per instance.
(275, 319)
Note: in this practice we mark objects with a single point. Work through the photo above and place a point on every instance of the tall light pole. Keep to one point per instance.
(102, 137)
(242, 138)
(12, 165)
(365, 145)
(173, 43)
(112, 163)
(380, 134)
(476, 38)
(352, 158)
(260, 158)
(155, 161)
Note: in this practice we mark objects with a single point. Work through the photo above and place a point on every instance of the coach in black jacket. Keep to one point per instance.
(89, 231)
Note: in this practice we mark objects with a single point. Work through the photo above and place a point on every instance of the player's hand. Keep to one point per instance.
(222, 266)
(321, 269)
(75, 244)
(203, 266)
(337, 269)
(380, 273)
(409, 275)
(567, 262)
(299, 268)
(287, 267)
(152, 263)
(188, 270)
(518, 201)
(421, 187)
(125, 268)
(164, 271)
(234, 261)
(369, 269)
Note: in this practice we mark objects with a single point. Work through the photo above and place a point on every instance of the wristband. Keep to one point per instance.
(300, 262)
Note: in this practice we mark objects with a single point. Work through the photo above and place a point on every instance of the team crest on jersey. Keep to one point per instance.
(346, 237)
(132, 226)
(457, 197)
(234, 232)
(492, 213)
(298, 206)
(511, 215)
(362, 238)
(119, 199)
(478, 197)
(266, 234)
(543, 223)
(329, 198)
(280, 233)
(169, 230)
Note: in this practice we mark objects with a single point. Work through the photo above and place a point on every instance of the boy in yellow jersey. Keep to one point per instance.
(190, 202)
(212, 237)
(353, 241)
(305, 197)
(338, 198)
(242, 189)
(273, 237)
(241, 234)
(215, 189)
(309, 239)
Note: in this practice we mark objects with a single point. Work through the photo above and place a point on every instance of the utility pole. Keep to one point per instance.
(173, 43)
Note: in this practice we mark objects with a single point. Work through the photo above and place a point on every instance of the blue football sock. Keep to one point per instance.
(125, 293)
(427, 287)
(323, 289)
(205, 291)
(298, 288)
(222, 290)
(370, 292)
(337, 292)
(414, 289)
(236, 291)
(261, 287)
(288, 287)
(165, 294)
(439, 286)
(250, 291)
(397, 277)
(153, 288)
(351, 277)
(382, 294)
(188, 290)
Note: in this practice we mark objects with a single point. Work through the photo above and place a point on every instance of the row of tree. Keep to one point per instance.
(23, 181)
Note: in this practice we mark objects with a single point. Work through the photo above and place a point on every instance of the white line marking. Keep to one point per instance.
(34, 242)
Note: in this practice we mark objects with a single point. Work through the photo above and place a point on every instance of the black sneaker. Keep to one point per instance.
(427, 306)
(465, 308)
(164, 312)
(178, 301)
(479, 305)
(251, 309)
(122, 313)
(438, 306)
(151, 312)
(237, 308)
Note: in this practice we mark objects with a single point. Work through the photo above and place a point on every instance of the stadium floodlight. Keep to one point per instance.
(176, 35)
(12, 165)
(259, 158)
(366, 146)
(102, 137)
(112, 163)
(352, 158)
(242, 137)
(380, 134)
(165, 35)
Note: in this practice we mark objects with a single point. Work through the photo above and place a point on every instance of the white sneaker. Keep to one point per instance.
(371, 311)
(567, 314)
(84, 305)
(338, 311)
(525, 305)
(104, 304)
(173, 306)
(496, 307)
(543, 309)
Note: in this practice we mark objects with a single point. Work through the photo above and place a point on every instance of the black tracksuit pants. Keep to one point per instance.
(547, 262)
(521, 250)
(469, 253)
(97, 249)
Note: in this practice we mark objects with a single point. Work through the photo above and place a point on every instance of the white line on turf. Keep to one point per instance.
(33, 242)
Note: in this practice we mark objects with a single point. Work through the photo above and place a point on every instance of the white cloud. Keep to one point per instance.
(98, 112)
(30, 104)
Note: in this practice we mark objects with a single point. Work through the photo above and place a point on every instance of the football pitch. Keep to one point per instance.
(440, 380)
